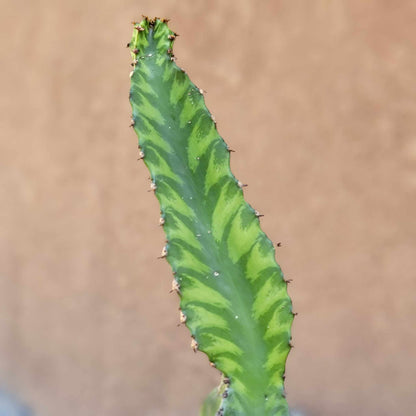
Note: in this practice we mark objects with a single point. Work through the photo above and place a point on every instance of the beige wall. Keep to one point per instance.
(318, 98)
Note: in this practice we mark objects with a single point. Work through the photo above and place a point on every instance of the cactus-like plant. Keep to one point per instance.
(233, 296)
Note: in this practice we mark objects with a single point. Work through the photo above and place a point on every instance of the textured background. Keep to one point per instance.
(319, 100)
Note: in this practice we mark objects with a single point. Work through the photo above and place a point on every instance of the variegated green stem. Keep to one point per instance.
(213, 402)
(233, 295)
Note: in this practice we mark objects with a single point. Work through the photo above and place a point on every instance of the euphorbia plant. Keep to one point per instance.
(233, 297)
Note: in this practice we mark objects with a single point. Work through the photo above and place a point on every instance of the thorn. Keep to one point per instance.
(164, 253)
(153, 187)
(279, 244)
(225, 394)
(291, 345)
(258, 215)
(139, 28)
(173, 58)
(128, 45)
(213, 119)
(212, 364)
(288, 281)
(171, 37)
(194, 345)
(230, 150)
(132, 123)
(182, 318)
(141, 154)
(241, 185)
(201, 91)
(175, 287)
(295, 313)
(164, 20)
(170, 52)
(226, 380)
(131, 74)
(161, 221)
(136, 51)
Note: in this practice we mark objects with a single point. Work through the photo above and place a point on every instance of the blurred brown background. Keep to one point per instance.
(318, 97)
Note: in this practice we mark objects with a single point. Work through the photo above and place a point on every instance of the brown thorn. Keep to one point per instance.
(164, 253)
(182, 318)
(194, 345)
(175, 287)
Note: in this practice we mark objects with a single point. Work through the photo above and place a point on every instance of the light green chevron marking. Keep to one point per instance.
(233, 295)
